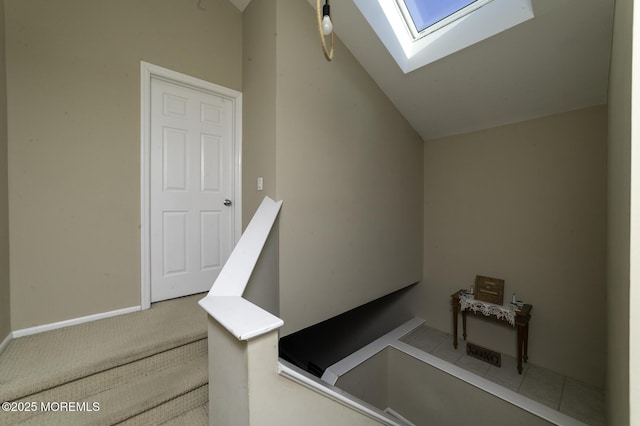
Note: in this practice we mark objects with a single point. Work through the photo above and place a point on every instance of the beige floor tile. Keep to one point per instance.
(446, 351)
(507, 374)
(543, 385)
(473, 365)
(583, 402)
(573, 398)
(425, 338)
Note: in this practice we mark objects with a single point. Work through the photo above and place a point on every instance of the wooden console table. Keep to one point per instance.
(521, 319)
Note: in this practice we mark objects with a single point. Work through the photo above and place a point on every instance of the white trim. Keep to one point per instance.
(73, 321)
(410, 24)
(333, 372)
(386, 19)
(391, 339)
(235, 273)
(533, 407)
(240, 317)
(147, 71)
(6, 342)
(290, 372)
(393, 413)
(224, 302)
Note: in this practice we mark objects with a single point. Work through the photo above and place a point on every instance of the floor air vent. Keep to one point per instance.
(484, 354)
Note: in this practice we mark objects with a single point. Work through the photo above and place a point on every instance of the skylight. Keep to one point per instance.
(425, 13)
(418, 32)
(425, 16)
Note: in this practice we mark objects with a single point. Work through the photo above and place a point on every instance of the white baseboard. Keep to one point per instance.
(70, 322)
(6, 342)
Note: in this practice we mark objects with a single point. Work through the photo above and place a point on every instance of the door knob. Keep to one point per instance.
(227, 202)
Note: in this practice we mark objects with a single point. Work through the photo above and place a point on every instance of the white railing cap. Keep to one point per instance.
(224, 302)
(240, 317)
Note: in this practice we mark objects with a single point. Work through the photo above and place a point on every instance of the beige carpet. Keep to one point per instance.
(33, 363)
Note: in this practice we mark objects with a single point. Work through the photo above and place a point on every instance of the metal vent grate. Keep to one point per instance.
(484, 354)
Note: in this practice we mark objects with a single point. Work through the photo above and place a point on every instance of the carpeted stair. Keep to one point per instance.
(145, 368)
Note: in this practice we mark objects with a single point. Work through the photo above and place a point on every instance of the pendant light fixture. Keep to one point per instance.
(325, 28)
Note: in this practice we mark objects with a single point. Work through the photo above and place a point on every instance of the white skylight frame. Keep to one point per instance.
(492, 17)
(410, 22)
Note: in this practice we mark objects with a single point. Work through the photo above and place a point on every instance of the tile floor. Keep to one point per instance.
(571, 397)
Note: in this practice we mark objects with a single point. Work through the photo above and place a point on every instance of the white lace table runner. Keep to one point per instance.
(468, 303)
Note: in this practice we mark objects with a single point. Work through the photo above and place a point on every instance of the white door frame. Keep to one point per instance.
(147, 71)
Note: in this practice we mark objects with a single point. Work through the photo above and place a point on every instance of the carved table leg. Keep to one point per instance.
(455, 327)
(464, 325)
(525, 357)
(520, 347)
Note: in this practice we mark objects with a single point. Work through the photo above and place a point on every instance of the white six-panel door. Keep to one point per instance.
(191, 180)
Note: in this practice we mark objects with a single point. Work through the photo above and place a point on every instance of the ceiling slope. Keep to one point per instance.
(556, 62)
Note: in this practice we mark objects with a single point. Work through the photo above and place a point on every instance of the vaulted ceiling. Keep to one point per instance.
(555, 62)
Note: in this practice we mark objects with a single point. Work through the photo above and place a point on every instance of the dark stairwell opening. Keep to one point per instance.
(319, 346)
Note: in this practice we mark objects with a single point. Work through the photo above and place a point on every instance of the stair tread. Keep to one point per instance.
(122, 402)
(87, 386)
(198, 416)
(35, 363)
(172, 411)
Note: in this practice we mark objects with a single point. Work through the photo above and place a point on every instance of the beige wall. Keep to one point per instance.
(425, 395)
(369, 381)
(259, 140)
(348, 167)
(618, 222)
(526, 203)
(428, 396)
(229, 399)
(275, 400)
(259, 104)
(634, 255)
(5, 312)
(271, 398)
(73, 80)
